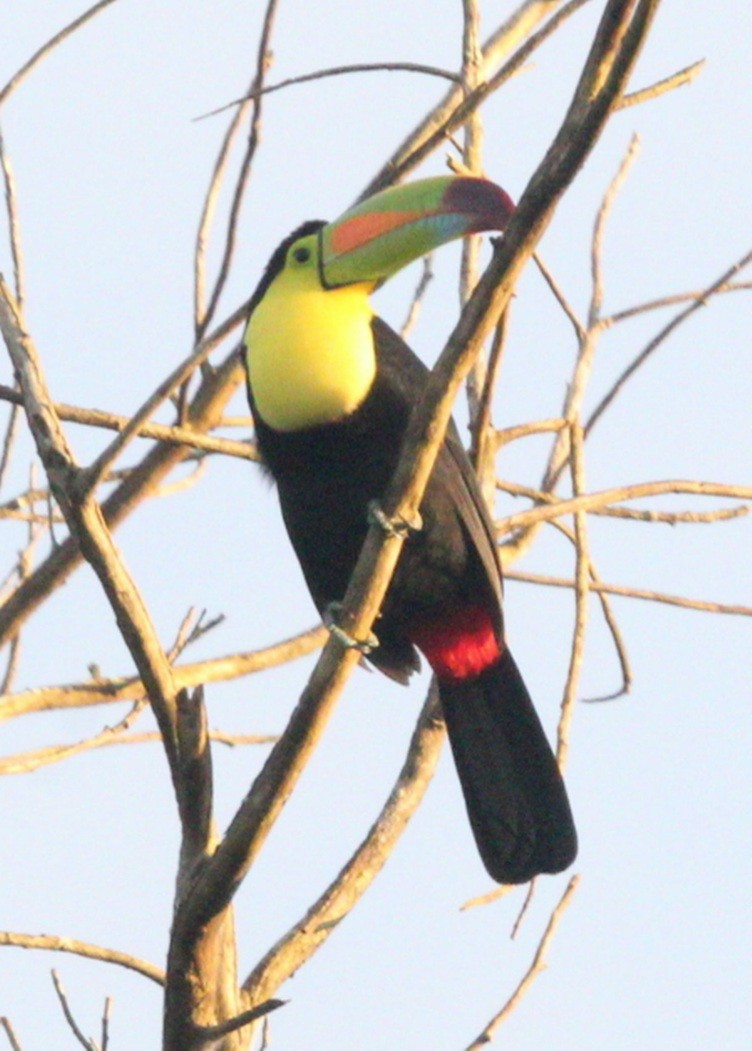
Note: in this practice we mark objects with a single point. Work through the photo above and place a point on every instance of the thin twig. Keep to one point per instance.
(673, 518)
(485, 441)
(504, 435)
(18, 77)
(599, 228)
(663, 597)
(661, 87)
(19, 285)
(669, 301)
(561, 299)
(524, 909)
(335, 71)
(28, 762)
(489, 896)
(200, 318)
(617, 637)
(609, 617)
(14, 225)
(312, 930)
(10, 1032)
(539, 496)
(536, 967)
(601, 498)
(662, 336)
(426, 276)
(146, 429)
(51, 943)
(582, 586)
(187, 676)
(88, 1044)
(263, 57)
(232, 1025)
(472, 162)
(106, 1022)
(24, 569)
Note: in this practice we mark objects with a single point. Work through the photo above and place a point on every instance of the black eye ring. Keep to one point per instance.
(301, 255)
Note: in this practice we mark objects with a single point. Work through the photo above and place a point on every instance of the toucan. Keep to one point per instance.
(331, 387)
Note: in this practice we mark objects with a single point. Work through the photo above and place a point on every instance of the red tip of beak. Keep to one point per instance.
(489, 205)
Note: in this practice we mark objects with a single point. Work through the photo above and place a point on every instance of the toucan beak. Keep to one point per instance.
(382, 234)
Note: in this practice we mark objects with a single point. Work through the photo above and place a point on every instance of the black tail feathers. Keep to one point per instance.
(514, 793)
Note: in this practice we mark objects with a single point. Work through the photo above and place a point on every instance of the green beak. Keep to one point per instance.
(382, 234)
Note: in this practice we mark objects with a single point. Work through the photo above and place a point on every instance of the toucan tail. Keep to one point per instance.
(514, 793)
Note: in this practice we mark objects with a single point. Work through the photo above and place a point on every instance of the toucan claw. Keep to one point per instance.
(364, 646)
(395, 525)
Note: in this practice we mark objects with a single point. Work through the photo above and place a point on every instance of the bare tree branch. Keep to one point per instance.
(86, 523)
(62, 997)
(600, 499)
(14, 226)
(662, 336)
(262, 63)
(433, 129)
(214, 1032)
(641, 593)
(50, 943)
(11, 1034)
(599, 228)
(105, 691)
(335, 71)
(147, 429)
(310, 932)
(582, 587)
(617, 42)
(18, 77)
(206, 410)
(661, 87)
(106, 1023)
(536, 967)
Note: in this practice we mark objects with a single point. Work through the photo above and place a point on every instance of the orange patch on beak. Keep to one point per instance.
(364, 228)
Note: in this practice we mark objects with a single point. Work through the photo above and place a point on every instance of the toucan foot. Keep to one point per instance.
(395, 526)
(364, 646)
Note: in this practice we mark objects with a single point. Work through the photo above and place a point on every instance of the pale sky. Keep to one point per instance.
(654, 952)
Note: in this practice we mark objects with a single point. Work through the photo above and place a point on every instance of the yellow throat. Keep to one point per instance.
(310, 353)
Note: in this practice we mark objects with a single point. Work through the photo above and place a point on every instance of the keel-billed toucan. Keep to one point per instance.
(331, 388)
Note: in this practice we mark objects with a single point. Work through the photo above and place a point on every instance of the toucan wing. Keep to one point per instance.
(453, 470)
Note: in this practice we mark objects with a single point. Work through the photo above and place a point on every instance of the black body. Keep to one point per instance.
(326, 477)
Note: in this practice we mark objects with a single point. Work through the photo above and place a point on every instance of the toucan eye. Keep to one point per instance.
(301, 254)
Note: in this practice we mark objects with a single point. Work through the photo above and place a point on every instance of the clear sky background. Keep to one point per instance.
(655, 950)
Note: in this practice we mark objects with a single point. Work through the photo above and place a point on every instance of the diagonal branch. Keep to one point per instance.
(130, 688)
(205, 412)
(537, 966)
(307, 936)
(112, 421)
(18, 77)
(88, 527)
(614, 51)
(51, 943)
(335, 71)
(597, 500)
(203, 318)
(432, 131)
(699, 301)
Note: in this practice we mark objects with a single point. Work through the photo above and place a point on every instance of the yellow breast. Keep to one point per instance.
(310, 352)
